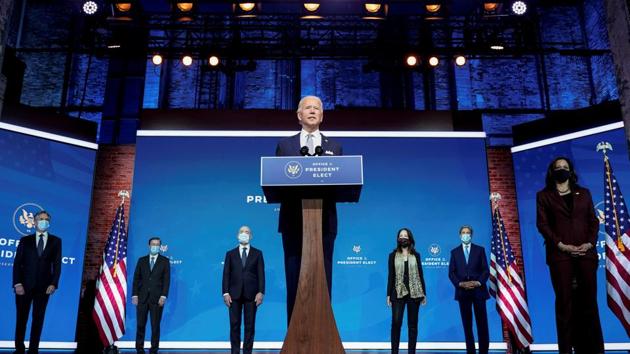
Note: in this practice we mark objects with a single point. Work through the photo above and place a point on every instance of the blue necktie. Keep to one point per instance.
(466, 253)
(152, 263)
(244, 256)
(40, 245)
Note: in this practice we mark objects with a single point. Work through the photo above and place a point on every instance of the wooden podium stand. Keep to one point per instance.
(312, 328)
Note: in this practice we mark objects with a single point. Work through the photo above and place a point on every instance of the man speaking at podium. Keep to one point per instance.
(309, 142)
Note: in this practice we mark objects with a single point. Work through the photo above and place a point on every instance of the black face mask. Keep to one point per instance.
(561, 176)
(403, 242)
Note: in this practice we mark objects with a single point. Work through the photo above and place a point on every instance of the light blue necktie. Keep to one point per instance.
(466, 253)
(310, 143)
(152, 263)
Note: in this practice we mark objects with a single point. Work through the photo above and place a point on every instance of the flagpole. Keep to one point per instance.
(604, 146)
(495, 197)
(123, 194)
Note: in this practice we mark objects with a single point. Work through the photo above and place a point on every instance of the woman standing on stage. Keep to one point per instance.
(405, 286)
(565, 216)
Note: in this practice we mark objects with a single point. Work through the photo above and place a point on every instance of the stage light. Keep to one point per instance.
(123, 6)
(213, 60)
(311, 6)
(156, 59)
(185, 6)
(247, 6)
(433, 8)
(519, 8)
(90, 7)
(187, 60)
(497, 47)
(460, 60)
(372, 8)
(411, 60)
(490, 6)
(434, 61)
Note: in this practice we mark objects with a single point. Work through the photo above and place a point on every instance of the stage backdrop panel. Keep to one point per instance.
(39, 173)
(195, 192)
(530, 168)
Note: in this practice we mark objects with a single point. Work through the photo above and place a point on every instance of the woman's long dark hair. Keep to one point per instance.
(550, 182)
(412, 242)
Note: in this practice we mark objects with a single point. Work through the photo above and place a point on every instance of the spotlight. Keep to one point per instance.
(247, 6)
(411, 60)
(519, 8)
(246, 9)
(213, 60)
(311, 11)
(123, 6)
(184, 6)
(490, 6)
(375, 11)
(311, 6)
(497, 47)
(187, 60)
(434, 61)
(156, 59)
(372, 8)
(460, 60)
(90, 7)
(433, 7)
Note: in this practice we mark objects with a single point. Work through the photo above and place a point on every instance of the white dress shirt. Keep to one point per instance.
(317, 139)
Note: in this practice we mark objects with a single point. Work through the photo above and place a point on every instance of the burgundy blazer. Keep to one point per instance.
(559, 224)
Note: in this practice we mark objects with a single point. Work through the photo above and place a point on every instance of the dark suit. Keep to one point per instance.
(476, 269)
(558, 222)
(290, 223)
(243, 283)
(36, 273)
(149, 285)
(398, 305)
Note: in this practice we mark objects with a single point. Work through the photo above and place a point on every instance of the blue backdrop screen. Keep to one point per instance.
(37, 173)
(195, 192)
(530, 169)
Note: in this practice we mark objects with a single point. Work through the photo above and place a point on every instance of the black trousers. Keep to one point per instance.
(39, 300)
(143, 310)
(246, 309)
(292, 244)
(398, 311)
(577, 314)
(466, 307)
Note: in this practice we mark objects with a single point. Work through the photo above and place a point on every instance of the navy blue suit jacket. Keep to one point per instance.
(476, 270)
(244, 282)
(36, 273)
(290, 221)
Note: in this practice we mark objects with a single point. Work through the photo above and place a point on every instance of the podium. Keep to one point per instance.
(312, 328)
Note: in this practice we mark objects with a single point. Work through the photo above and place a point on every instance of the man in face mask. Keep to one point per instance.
(151, 281)
(36, 272)
(243, 289)
(469, 272)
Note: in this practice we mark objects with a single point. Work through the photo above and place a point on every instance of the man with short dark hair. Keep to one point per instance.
(36, 272)
(151, 281)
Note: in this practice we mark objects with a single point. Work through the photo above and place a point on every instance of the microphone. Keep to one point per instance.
(319, 151)
(304, 151)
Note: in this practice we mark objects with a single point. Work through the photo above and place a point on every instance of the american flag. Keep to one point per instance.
(617, 248)
(111, 294)
(506, 285)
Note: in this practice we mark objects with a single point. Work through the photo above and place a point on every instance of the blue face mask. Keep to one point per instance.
(43, 225)
(466, 238)
(155, 250)
(243, 238)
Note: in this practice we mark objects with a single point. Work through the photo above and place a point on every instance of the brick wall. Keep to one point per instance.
(114, 172)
